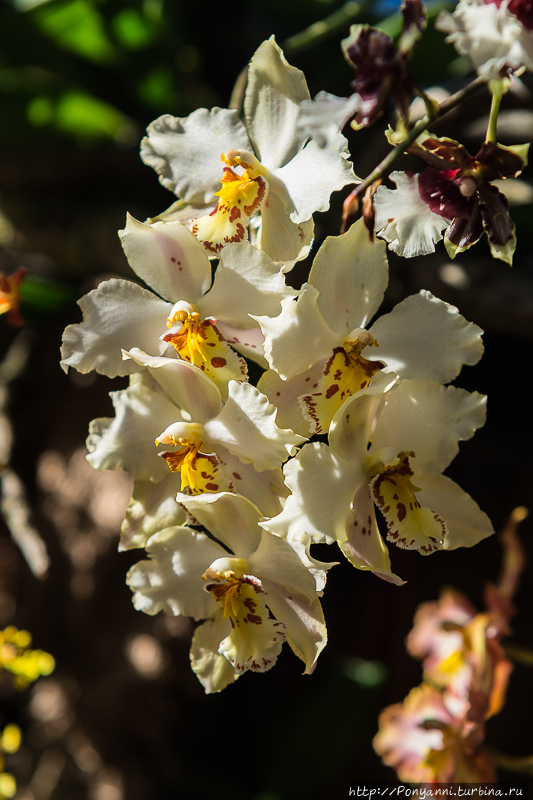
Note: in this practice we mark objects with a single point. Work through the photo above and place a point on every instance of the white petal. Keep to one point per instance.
(431, 420)
(266, 489)
(488, 34)
(326, 115)
(246, 426)
(284, 395)
(352, 426)
(212, 669)
(322, 487)
(246, 282)
(423, 337)
(171, 581)
(128, 441)
(304, 623)
(187, 386)
(467, 524)
(314, 174)
(276, 561)
(230, 518)
(117, 314)
(271, 106)
(186, 152)
(351, 275)
(249, 342)
(298, 337)
(284, 240)
(404, 220)
(168, 258)
(364, 547)
(152, 508)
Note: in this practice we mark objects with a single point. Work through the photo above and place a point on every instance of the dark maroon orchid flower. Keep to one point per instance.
(458, 186)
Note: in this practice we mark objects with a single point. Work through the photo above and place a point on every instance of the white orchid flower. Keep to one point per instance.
(231, 583)
(494, 35)
(320, 351)
(196, 316)
(387, 449)
(215, 445)
(265, 164)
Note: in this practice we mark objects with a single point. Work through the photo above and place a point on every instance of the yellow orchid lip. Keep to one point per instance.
(241, 196)
(345, 373)
(410, 525)
(201, 343)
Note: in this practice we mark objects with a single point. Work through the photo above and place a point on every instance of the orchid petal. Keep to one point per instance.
(271, 106)
(168, 258)
(276, 561)
(284, 395)
(304, 622)
(232, 519)
(423, 337)
(264, 489)
(115, 315)
(186, 152)
(247, 341)
(429, 419)
(246, 426)
(322, 487)
(152, 508)
(351, 275)
(246, 282)
(171, 581)
(212, 669)
(313, 174)
(467, 524)
(127, 441)
(283, 239)
(185, 384)
(364, 547)
(404, 220)
(298, 337)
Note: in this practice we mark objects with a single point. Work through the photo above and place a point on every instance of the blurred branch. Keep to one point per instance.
(334, 24)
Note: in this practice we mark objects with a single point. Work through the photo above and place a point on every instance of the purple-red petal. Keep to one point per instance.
(440, 189)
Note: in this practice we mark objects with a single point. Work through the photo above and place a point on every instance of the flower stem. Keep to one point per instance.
(521, 764)
(383, 169)
(493, 118)
(522, 655)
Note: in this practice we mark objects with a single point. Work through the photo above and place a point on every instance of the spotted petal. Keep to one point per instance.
(168, 258)
(184, 383)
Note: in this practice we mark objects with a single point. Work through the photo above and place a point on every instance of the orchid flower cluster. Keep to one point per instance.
(234, 483)
(435, 735)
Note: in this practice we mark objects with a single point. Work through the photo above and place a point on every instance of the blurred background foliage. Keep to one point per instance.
(123, 717)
